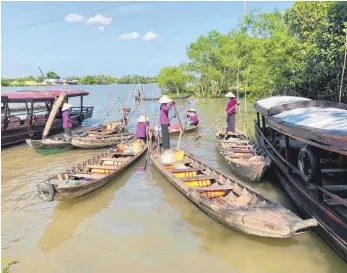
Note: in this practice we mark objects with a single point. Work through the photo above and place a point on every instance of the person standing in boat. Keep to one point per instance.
(231, 112)
(165, 106)
(67, 121)
(192, 117)
(141, 130)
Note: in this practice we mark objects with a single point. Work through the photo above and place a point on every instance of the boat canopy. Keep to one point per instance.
(322, 123)
(39, 95)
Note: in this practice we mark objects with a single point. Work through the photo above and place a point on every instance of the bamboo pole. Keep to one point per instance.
(343, 69)
(57, 104)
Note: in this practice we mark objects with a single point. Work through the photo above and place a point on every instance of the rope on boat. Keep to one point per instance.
(45, 191)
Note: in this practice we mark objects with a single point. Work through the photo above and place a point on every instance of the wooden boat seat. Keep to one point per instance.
(101, 167)
(86, 175)
(187, 170)
(170, 164)
(119, 159)
(215, 188)
(125, 154)
(199, 177)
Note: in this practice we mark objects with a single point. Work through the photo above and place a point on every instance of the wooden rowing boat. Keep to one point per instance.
(138, 98)
(230, 202)
(245, 158)
(87, 176)
(87, 142)
(50, 146)
(112, 127)
(186, 130)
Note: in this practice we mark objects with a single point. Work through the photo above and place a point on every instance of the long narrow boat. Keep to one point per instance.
(87, 176)
(189, 129)
(307, 143)
(87, 142)
(245, 158)
(112, 127)
(230, 202)
(49, 146)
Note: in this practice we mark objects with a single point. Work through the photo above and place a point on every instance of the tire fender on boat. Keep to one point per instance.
(307, 154)
(45, 191)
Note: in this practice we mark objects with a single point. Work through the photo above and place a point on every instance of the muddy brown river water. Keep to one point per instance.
(139, 222)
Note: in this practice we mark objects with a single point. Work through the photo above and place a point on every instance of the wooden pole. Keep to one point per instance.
(343, 69)
(180, 110)
(57, 104)
(182, 131)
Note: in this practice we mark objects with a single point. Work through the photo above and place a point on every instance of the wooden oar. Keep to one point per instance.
(57, 104)
(149, 143)
(218, 119)
(180, 110)
(182, 131)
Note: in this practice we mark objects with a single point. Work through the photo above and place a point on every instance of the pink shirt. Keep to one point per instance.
(230, 105)
(67, 121)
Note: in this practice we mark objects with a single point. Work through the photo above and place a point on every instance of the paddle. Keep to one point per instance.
(180, 110)
(218, 119)
(182, 131)
(149, 143)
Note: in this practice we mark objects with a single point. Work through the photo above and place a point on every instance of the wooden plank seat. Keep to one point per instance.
(87, 175)
(125, 154)
(109, 167)
(187, 170)
(215, 188)
(182, 162)
(199, 177)
(119, 159)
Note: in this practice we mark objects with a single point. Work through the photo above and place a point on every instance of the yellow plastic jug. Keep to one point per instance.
(179, 155)
(137, 146)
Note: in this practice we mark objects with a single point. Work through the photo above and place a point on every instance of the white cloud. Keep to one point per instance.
(101, 28)
(99, 20)
(129, 36)
(73, 18)
(150, 36)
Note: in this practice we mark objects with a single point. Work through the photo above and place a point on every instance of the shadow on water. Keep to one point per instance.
(69, 214)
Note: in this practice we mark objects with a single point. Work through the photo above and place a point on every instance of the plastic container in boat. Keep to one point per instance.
(137, 146)
(168, 157)
(198, 183)
(179, 155)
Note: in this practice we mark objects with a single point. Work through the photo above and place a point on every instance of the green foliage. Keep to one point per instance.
(5, 82)
(52, 75)
(174, 79)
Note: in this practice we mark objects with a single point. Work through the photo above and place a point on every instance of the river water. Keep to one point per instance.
(139, 222)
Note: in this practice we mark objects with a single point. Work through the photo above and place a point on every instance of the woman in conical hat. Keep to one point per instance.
(141, 129)
(165, 106)
(193, 117)
(67, 121)
(231, 112)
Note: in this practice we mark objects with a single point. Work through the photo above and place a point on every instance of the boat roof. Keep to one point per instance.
(322, 123)
(40, 95)
(265, 106)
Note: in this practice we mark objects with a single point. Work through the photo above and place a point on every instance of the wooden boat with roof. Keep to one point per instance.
(307, 142)
(245, 159)
(16, 128)
(87, 176)
(230, 202)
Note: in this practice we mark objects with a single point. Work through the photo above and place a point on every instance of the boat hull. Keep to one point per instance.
(61, 194)
(49, 146)
(330, 227)
(246, 219)
(98, 143)
(186, 130)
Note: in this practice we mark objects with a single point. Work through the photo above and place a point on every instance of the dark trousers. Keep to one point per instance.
(231, 119)
(67, 131)
(165, 136)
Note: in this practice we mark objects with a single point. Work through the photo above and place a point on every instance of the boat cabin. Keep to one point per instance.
(307, 141)
(24, 113)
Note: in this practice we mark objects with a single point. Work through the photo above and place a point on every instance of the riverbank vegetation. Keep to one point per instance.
(86, 80)
(300, 53)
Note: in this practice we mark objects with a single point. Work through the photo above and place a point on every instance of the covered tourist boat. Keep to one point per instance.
(16, 128)
(307, 141)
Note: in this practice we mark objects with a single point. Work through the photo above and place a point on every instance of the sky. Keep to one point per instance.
(111, 38)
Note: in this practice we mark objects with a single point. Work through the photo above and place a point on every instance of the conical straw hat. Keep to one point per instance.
(165, 99)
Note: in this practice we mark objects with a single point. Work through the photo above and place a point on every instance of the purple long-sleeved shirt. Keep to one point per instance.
(194, 118)
(164, 113)
(141, 129)
(230, 105)
(67, 121)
